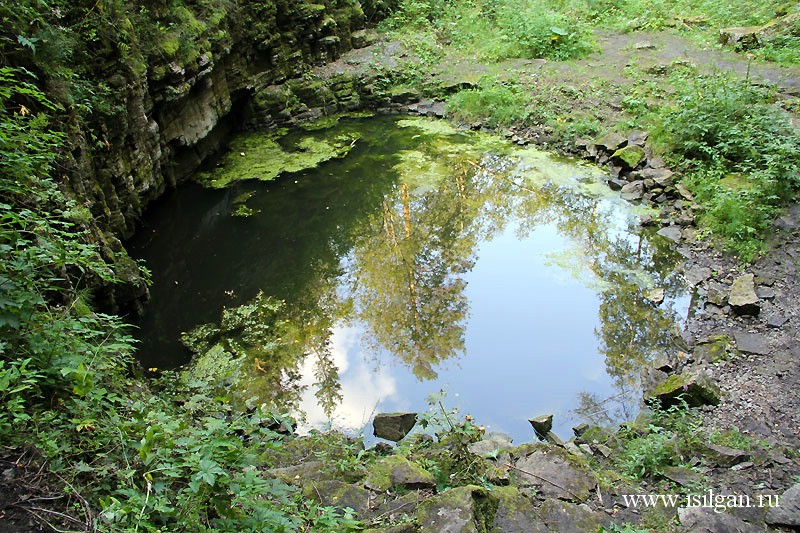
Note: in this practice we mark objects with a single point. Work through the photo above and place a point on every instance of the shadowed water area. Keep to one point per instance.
(409, 258)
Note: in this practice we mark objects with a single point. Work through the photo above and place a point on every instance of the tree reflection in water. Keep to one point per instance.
(402, 267)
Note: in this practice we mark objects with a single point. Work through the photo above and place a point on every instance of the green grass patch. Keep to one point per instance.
(493, 103)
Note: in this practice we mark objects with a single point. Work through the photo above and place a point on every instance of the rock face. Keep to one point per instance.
(743, 299)
(393, 426)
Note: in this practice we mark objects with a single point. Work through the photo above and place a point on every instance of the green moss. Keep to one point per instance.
(396, 470)
(170, 45)
(259, 156)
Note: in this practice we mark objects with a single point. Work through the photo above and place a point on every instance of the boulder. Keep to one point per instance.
(338, 494)
(633, 191)
(542, 424)
(693, 386)
(630, 156)
(741, 38)
(515, 512)
(611, 141)
(723, 456)
(491, 445)
(397, 471)
(743, 298)
(712, 349)
(458, 510)
(787, 513)
(393, 426)
(566, 517)
(555, 474)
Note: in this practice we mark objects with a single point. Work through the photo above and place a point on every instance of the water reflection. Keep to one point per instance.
(425, 259)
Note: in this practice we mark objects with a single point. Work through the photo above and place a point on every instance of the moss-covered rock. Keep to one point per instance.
(468, 509)
(397, 471)
(693, 386)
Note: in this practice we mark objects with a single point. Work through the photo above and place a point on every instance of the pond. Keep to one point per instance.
(370, 263)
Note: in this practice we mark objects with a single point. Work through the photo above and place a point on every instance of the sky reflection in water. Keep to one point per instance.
(424, 260)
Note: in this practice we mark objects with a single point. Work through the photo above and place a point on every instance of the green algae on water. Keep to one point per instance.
(259, 156)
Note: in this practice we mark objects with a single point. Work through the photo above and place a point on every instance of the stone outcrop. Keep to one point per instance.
(172, 113)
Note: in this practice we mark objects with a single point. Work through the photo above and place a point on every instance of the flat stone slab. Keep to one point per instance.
(697, 275)
(751, 343)
(555, 475)
(706, 520)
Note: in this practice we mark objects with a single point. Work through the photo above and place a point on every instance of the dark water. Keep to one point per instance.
(422, 261)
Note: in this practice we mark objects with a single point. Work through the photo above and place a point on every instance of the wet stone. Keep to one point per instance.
(673, 233)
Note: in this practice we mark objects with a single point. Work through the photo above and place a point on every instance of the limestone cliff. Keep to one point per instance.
(173, 101)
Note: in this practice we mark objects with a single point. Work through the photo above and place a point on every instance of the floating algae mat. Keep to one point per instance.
(361, 267)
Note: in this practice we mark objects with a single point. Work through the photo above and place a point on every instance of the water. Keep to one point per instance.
(426, 259)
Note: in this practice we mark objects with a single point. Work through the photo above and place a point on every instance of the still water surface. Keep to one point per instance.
(426, 259)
